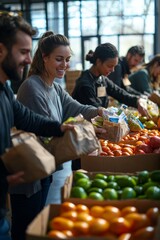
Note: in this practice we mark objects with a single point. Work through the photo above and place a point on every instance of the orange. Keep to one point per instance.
(80, 227)
(72, 215)
(127, 210)
(153, 214)
(124, 236)
(68, 233)
(120, 225)
(67, 206)
(110, 212)
(56, 234)
(98, 226)
(84, 216)
(82, 208)
(117, 152)
(61, 223)
(96, 211)
(146, 233)
(137, 220)
(128, 149)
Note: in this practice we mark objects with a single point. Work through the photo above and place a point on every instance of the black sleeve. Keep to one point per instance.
(86, 95)
(3, 188)
(120, 94)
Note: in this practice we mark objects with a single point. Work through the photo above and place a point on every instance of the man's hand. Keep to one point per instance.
(15, 179)
(65, 127)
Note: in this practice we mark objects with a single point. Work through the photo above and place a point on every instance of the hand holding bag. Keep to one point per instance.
(74, 143)
(28, 155)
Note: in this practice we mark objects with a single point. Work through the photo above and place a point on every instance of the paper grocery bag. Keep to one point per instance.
(74, 143)
(28, 155)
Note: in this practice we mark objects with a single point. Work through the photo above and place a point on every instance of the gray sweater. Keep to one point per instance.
(53, 102)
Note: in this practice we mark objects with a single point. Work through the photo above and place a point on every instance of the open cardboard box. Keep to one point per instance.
(66, 189)
(37, 230)
(123, 164)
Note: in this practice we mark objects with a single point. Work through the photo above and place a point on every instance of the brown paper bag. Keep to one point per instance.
(74, 143)
(28, 155)
(115, 131)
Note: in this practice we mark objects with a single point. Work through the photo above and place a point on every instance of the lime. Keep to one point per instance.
(96, 196)
(101, 176)
(143, 177)
(78, 192)
(119, 192)
(155, 175)
(110, 193)
(128, 192)
(149, 184)
(78, 175)
(142, 196)
(113, 185)
(110, 178)
(125, 181)
(100, 183)
(84, 183)
(153, 192)
(143, 119)
(138, 189)
(94, 189)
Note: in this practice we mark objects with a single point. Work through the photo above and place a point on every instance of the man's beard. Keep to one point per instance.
(10, 68)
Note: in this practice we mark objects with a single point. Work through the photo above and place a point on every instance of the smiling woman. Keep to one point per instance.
(48, 98)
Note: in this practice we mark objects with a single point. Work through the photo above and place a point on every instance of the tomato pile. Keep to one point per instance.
(103, 221)
(133, 143)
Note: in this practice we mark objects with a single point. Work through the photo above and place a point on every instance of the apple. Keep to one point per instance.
(154, 142)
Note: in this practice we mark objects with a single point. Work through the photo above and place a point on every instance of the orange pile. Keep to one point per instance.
(105, 221)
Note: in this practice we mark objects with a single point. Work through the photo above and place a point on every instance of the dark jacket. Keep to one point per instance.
(120, 71)
(86, 87)
(13, 113)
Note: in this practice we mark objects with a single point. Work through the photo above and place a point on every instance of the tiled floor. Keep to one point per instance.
(59, 177)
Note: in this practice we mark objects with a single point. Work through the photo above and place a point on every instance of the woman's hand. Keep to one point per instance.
(100, 132)
(100, 111)
(142, 108)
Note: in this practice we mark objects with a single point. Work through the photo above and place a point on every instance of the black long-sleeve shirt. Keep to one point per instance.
(86, 91)
(13, 113)
(119, 73)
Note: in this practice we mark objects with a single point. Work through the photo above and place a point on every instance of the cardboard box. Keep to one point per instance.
(66, 190)
(71, 77)
(38, 228)
(123, 164)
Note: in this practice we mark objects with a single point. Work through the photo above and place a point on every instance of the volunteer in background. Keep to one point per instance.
(15, 47)
(134, 58)
(144, 80)
(45, 96)
(93, 86)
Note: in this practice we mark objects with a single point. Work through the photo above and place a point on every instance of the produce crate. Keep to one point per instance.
(38, 228)
(66, 190)
(123, 164)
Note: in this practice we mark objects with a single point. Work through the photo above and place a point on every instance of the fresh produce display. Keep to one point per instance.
(145, 141)
(103, 186)
(106, 221)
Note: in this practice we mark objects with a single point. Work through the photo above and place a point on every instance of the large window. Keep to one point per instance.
(88, 23)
